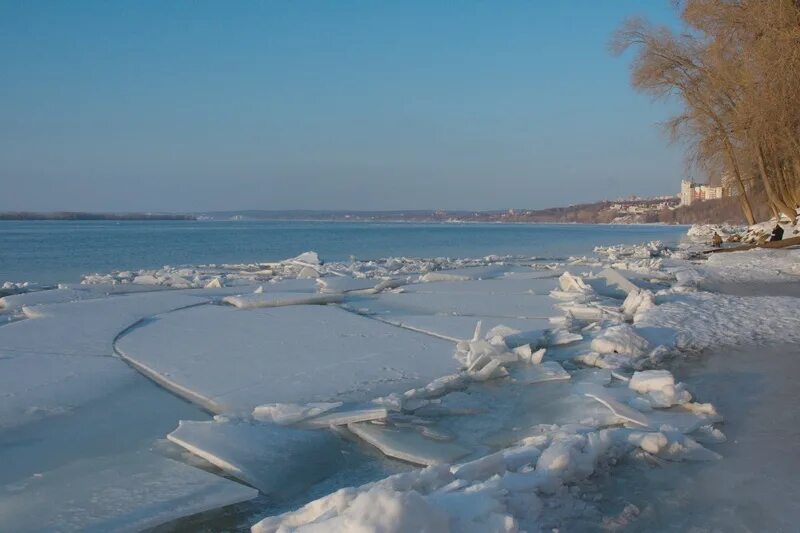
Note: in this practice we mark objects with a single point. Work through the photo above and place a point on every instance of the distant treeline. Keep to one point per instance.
(70, 215)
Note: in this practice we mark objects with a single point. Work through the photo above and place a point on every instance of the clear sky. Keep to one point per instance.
(166, 105)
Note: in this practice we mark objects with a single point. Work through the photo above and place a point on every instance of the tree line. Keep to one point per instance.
(736, 71)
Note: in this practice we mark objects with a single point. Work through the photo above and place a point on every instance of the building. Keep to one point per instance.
(692, 192)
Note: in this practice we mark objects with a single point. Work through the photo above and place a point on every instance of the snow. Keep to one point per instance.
(128, 492)
(274, 459)
(696, 321)
(229, 361)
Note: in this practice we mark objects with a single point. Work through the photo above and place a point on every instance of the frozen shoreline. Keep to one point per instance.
(531, 478)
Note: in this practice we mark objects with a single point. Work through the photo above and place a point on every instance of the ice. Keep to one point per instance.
(343, 284)
(279, 299)
(85, 327)
(128, 492)
(611, 282)
(55, 363)
(547, 371)
(620, 339)
(450, 309)
(345, 417)
(226, 360)
(289, 413)
(52, 296)
(38, 385)
(619, 409)
(651, 380)
(637, 303)
(306, 259)
(408, 444)
(463, 274)
(561, 337)
(455, 328)
(277, 460)
(468, 301)
(572, 283)
(590, 311)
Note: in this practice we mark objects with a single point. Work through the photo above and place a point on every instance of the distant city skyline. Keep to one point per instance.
(209, 106)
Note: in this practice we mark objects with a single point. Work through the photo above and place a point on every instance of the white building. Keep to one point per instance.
(692, 192)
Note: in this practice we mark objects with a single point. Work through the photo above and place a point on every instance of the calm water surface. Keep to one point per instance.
(61, 251)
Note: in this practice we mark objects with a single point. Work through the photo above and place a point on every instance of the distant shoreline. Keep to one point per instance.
(622, 212)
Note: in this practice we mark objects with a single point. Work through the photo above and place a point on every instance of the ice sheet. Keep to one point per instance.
(86, 327)
(35, 386)
(227, 360)
(278, 460)
(408, 444)
(128, 492)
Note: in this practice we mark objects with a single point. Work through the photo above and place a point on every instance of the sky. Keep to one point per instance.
(187, 106)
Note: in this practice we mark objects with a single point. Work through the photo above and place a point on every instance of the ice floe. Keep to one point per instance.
(226, 360)
(277, 460)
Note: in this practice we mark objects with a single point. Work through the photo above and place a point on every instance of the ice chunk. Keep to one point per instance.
(289, 413)
(571, 283)
(621, 339)
(637, 302)
(561, 336)
(619, 409)
(306, 258)
(279, 461)
(279, 299)
(345, 417)
(408, 445)
(651, 380)
(128, 492)
(464, 274)
(615, 284)
(307, 273)
(226, 360)
(342, 284)
(547, 371)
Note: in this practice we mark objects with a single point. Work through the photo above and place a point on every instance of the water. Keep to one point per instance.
(49, 252)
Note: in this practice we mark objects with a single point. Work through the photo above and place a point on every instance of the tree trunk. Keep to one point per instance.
(773, 198)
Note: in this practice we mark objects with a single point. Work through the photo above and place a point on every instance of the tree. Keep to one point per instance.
(736, 70)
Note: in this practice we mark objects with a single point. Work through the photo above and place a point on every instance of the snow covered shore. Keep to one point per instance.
(511, 383)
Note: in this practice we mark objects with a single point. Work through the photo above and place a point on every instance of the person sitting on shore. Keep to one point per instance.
(716, 240)
(777, 233)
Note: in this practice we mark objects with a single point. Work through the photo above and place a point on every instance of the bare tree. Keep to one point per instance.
(736, 70)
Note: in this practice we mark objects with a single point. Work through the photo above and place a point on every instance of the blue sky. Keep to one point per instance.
(161, 105)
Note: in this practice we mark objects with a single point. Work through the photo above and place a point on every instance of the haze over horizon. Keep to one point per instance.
(351, 105)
